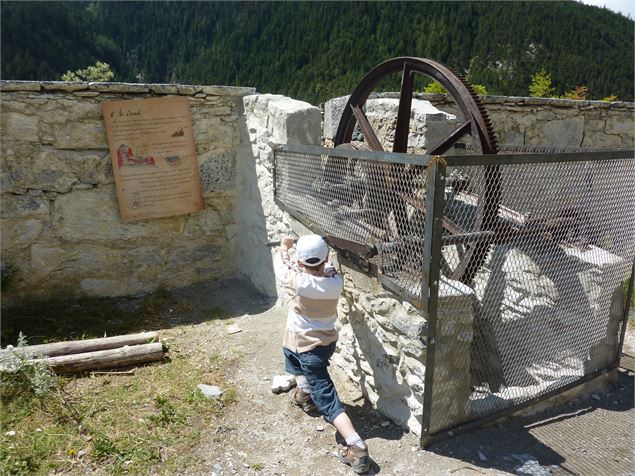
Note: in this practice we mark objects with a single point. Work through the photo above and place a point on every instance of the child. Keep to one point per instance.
(310, 336)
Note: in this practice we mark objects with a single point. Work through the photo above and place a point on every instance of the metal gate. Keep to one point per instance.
(541, 243)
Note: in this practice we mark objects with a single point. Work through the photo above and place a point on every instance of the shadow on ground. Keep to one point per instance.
(76, 318)
(590, 434)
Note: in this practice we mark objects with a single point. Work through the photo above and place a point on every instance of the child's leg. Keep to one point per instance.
(314, 366)
(292, 363)
(344, 427)
(303, 383)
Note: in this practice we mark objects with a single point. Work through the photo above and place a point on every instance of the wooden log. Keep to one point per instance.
(105, 359)
(81, 346)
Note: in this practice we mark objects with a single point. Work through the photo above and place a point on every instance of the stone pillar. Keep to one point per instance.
(270, 119)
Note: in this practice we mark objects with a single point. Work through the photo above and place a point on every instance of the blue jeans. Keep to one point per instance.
(313, 365)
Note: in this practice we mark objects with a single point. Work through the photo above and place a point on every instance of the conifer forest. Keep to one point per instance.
(317, 50)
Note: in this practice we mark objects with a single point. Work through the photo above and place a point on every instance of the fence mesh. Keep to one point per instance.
(363, 201)
(533, 257)
(547, 294)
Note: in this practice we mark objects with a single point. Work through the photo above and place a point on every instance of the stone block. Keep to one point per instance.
(195, 252)
(24, 218)
(212, 134)
(93, 215)
(412, 347)
(20, 233)
(119, 87)
(188, 90)
(204, 223)
(49, 169)
(412, 325)
(562, 133)
(20, 127)
(333, 109)
(6, 85)
(294, 122)
(81, 135)
(217, 171)
(63, 86)
(624, 125)
(24, 206)
(164, 88)
(228, 90)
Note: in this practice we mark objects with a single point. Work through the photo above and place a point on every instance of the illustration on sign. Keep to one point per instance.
(151, 144)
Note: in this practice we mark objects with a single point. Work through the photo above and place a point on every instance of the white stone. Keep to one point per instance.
(333, 109)
(294, 122)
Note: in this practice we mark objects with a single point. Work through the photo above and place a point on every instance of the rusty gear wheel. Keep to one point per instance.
(475, 124)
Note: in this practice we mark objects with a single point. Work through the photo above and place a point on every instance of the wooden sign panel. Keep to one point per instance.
(151, 144)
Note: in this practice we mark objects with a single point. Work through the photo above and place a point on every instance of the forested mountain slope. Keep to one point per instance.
(317, 50)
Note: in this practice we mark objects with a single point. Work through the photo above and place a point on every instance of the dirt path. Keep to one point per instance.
(262, 433)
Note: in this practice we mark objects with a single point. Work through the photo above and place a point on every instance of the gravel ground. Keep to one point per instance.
(264, 434)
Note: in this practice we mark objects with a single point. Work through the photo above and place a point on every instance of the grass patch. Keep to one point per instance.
(140, 424)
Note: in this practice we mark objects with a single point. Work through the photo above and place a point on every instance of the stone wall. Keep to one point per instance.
(522, 120)
(270, 119)
(61, 229)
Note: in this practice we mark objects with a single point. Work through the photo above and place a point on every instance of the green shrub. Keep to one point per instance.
(97, 72)
(541, 86)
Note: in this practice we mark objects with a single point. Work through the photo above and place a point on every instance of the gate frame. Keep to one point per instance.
(436, 168)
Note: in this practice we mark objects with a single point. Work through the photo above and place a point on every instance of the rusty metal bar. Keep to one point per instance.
(367, 129)
(517, 159)
(433, 230)
(402, 127)
(479, 422)
(372, 156)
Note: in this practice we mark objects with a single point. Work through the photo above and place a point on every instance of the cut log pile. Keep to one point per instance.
(94, 354)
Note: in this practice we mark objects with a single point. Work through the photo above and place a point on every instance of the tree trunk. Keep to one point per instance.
(80, 346)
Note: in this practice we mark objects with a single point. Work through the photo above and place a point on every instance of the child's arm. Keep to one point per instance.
(281, 261)
(329, 270)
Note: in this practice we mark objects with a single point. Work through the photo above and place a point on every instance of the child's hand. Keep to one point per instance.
(287, 243)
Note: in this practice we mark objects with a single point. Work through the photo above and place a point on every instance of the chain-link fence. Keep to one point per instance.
(546, 271)
(538, 245)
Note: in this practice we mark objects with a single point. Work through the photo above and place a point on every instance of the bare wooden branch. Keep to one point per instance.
(106, 359)
(80, 346)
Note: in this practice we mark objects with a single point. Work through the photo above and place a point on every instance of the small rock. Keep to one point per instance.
(482, 456)
(319, 428)
(10, 433)
(595, 396)
(233, 329)
(282, 383)
(414, 448)
(210, 391)
(81, 453)
(38, 430)
(385, 423)
(245, 465)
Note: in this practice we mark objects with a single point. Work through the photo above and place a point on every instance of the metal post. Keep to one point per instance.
(433, 231)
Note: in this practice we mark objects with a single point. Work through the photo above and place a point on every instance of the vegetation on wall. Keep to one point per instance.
(97, 72)
(317, 50)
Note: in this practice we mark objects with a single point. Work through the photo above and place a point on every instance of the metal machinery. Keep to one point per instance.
(515, 254)
(400, 180)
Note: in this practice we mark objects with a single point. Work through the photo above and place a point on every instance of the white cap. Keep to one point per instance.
(312, 250)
